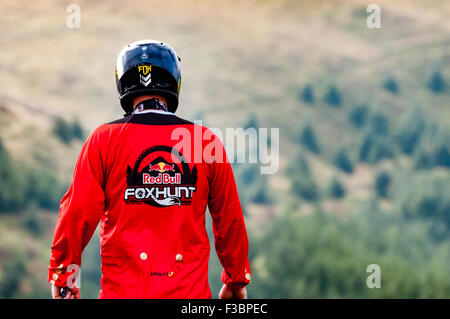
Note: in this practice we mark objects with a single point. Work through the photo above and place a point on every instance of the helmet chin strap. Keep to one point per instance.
(150, 104)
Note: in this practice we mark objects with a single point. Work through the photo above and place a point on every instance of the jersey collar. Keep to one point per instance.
(153, 111)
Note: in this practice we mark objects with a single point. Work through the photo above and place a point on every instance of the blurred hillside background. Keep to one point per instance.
(363, 114)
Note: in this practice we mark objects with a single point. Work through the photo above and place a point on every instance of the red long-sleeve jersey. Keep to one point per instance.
(149, 178)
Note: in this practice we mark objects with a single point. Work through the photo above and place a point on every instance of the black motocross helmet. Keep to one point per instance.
(148, 67)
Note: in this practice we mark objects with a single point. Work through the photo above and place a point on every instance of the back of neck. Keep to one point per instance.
(150, 104)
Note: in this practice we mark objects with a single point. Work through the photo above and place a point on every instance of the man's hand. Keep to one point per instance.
(228, 293)
(73, 293)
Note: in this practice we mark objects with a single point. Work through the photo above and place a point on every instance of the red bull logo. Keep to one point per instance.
(159, 183)
(162, 177)
(162, 167)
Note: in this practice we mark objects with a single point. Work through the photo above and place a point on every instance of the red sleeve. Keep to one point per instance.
(80, 212)
(228, 223)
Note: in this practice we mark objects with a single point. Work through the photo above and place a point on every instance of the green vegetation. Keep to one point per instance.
(391, 85)
(303, 184)
(358, 116)
(77, 129)
(22, 186)
(437, 83)
(428, 199)
(433, 150)
(11, 277)
(336, 189)
(382, 182)
(10, 181)
(309, 140)
(333, 97)
(379, 124)
(343, 161)
(410, 130)
(252, 185)
(307, 94)
(32, 223)
(325, 256)
(66, 131)
(252, 122)
(375, 148)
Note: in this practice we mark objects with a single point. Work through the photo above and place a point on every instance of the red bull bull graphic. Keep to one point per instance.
(162, 167)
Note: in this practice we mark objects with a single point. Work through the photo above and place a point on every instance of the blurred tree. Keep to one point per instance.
(442, 156)
(434, 150)
(298, 164)
(22, 186)
(342, 161)
(375, 148)
(309, 140)
(305, 187)
(390, 84)
(307, 94)
(251, 122)
(13, 270)
(77, 129)
(252, 185)
(62, 130)
(383, 149)
(66, 131)
(303, 184)
(427, 197)
(410, 130)
(323, 256)
(33, 223)
(436, 83)
(43, 188)
(380, 124)
(261, 193)
(423, 159)
(358, 115)
(12, 183)
(333, 96)
(336, 189)
(248, 173)
(382, 184)
(365, 149)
